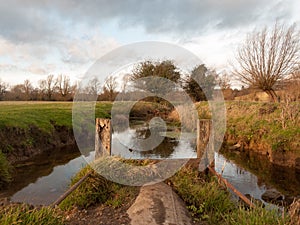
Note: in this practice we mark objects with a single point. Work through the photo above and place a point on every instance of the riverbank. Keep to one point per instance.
(101, 201)
(30, 128)
(270, 129)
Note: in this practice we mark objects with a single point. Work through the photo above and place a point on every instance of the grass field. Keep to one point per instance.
(40, 114)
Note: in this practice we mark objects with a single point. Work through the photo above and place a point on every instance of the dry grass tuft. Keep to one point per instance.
(294, 212)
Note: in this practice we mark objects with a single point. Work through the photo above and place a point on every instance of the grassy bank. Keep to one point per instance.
(29, 128)
(24, 214)
(207, 200)
(5, 171)
(257, 124)
(97, 190)
(271, 129)
(252, 123)
(210, 203)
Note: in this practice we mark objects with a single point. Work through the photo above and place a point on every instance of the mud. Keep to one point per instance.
(20, 144)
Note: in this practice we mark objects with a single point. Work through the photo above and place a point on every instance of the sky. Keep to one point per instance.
(41, 37)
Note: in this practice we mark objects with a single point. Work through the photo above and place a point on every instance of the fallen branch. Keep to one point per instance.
(230, 186)
(71, 189)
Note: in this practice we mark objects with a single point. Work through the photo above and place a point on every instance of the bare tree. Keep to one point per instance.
(125, 80)
(27, 87)
(93, 87)
(3, 87)
(17, 93)
(42, 89)
(268, 57)
(293, 84)
(63, 85)
(223, 81)
(47, 86)
(110, 86)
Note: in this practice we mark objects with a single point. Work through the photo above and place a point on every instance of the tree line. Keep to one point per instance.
(268, 60)
(52, 88)
(60, 88)
(55, 88)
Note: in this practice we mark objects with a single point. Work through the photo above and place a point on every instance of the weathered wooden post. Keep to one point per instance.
(103, 138)
(205, 148)
(203, 132)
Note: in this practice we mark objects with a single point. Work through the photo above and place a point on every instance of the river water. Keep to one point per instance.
(41, 180)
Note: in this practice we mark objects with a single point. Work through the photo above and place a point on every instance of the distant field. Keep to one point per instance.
(23, 114)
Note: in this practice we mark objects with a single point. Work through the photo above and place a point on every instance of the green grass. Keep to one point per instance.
(204, 198)
(23, 214)
(42, 114)
(97, 190)
(24, 114)
(256, 216)
(210, 203)
(261, 123)
(5, 170)
(94, 190)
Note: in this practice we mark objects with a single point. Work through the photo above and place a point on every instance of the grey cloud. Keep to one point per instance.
(35, 20)
(177, 16)
(20, 22)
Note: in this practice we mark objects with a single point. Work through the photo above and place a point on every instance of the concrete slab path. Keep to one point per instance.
(158, 204)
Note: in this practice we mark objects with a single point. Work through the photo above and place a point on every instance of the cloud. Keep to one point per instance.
(70, 34)
(21, 22)
(45, 21)
(177, 16)
(36, 69)
(89, 49)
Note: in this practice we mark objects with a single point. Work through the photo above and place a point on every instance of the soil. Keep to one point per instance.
(102, 214)
(20, 144)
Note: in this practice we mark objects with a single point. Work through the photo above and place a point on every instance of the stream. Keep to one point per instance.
(42, 179)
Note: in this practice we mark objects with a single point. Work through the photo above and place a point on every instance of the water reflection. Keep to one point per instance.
(285, 180)
(42, 179)
(244, 181)
(126, 144)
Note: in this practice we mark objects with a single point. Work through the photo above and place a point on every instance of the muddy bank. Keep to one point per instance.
(279, 157)
(19, 144)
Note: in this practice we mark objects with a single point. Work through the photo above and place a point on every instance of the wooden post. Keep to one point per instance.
(205, 143)
(203, 133)
(103, 137)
